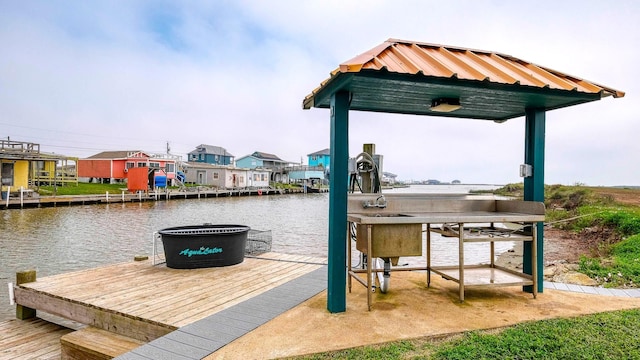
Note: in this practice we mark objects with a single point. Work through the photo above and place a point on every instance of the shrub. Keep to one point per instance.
(621, 270)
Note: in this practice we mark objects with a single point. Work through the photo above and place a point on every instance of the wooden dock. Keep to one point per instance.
(18, 201)
(145, 302)
(30, 339)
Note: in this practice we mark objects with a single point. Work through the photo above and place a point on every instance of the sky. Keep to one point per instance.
(81, 77)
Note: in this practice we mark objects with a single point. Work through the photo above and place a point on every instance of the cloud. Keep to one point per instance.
(80, 78)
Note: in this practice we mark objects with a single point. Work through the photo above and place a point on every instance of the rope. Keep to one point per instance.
(571, 218)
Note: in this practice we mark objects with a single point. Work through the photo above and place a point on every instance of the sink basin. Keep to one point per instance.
(390, 240)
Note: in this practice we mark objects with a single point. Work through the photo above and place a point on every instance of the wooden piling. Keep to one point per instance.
(367, 185)
(22, 277)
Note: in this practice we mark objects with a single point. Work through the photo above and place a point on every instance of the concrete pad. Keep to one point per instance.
(408, 310)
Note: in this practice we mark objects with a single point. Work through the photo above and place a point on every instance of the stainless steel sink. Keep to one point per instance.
(390, 239)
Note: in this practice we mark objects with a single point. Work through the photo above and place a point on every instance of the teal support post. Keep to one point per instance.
(534, 185)
(339, 151)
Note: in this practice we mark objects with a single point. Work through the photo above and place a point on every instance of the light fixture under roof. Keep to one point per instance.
(445, 104)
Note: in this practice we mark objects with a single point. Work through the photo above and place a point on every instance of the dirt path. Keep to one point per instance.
(560, 247)
(568, 246)
(624, 196)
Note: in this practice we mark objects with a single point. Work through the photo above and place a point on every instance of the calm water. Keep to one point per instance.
(62, 239)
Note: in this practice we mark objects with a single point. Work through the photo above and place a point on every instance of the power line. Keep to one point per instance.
(69, 132)
(98, 146)
(136, 139)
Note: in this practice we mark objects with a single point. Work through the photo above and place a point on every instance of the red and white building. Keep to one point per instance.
(114, 166)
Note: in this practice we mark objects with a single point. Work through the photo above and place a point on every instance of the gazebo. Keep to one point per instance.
(409, 77)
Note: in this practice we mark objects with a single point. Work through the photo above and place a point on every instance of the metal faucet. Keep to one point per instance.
(380, 202)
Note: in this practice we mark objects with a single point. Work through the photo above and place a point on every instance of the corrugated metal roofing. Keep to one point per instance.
(115, 154)
(321, 152)
(265, 156)
(414, 73)
(211, 149)
(203, 165)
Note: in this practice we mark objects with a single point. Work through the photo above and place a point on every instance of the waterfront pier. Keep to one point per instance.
(20, 200)
(137, 302)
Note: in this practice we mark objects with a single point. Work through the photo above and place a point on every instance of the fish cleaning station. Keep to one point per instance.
(206, 298)
(408, 77)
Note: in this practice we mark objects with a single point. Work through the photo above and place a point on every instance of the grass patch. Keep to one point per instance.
(100, 189)
(594, 214)
(601, 336)
(625, 220)
(621, 269)
(82, 189)
(390, 351)
(611, 335)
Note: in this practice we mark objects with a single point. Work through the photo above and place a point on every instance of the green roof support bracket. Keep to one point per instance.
(534, 186)
(339, 152)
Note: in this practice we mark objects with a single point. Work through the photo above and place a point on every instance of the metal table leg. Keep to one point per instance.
(461, 259)
(428, 255)
(369, 260)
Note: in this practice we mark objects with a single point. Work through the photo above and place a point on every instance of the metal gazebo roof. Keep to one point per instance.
(406, 77)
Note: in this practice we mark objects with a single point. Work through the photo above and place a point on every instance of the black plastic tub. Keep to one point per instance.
(199, 246)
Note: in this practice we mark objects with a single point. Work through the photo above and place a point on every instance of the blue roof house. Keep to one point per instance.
(209, 154)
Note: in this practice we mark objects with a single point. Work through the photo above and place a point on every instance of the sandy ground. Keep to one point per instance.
(624, 196)
(409, 310)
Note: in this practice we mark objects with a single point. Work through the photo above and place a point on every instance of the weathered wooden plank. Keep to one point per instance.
(207, 308)
(16, 332)
(217, 302)
(93, 291)
(12, 329)
(150, 291)
(80, 279)
(126, 325)
(95, 344)
(143, 301)
(220, 286)
(147, 285)
(212, 301)
(30, 339)
(85, 286)
(23, 277)
(292, 258)
(177, 280)
(50, 349)
(97, 276)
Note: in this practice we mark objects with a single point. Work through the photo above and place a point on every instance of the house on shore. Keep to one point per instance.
(262, 160)
(126, 166)
(225, 177)
(317, 170)
(258, 178)
(214, 155)
(388, 178)
(310, 175)
(23, 165)
(320, 158)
